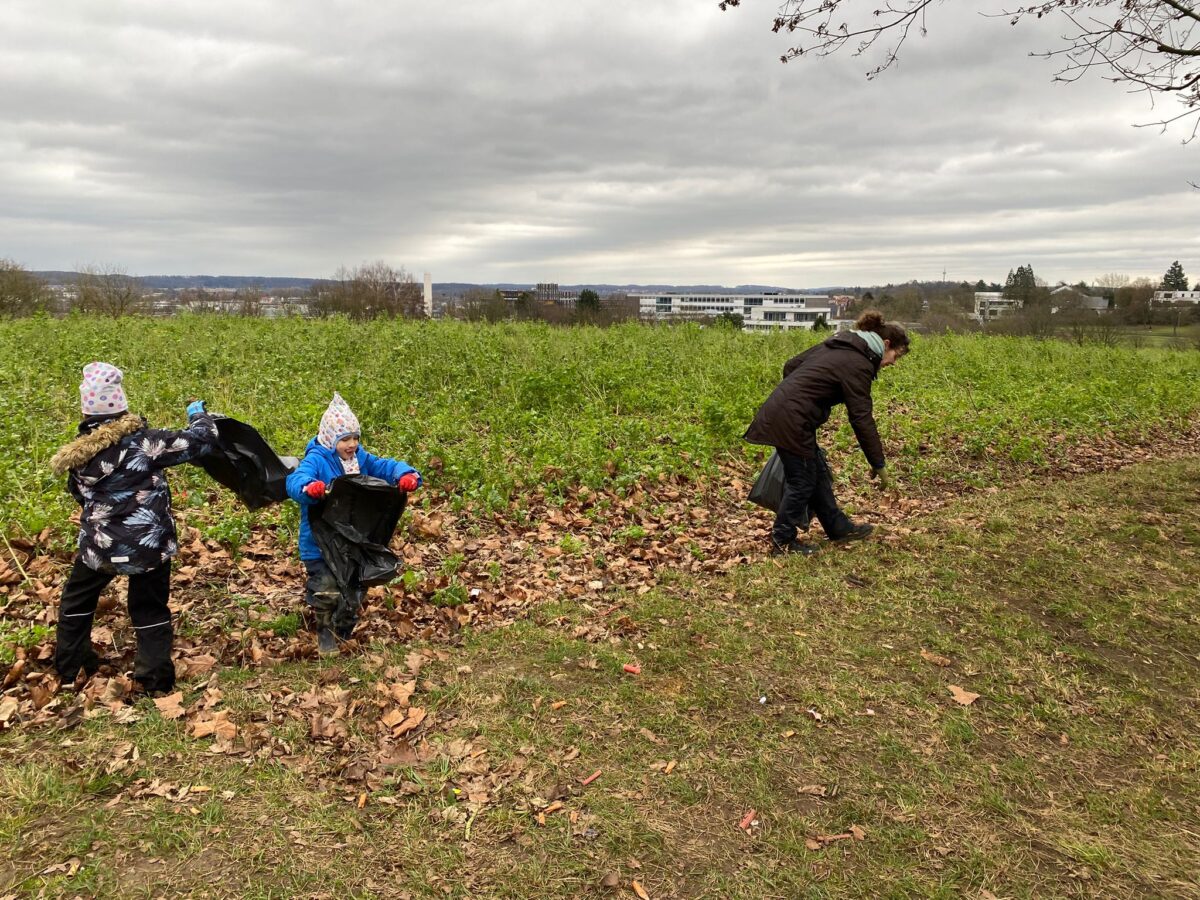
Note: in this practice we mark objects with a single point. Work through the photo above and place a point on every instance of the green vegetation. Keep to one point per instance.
(819, 693)
(1173, 337)
(508, 408)
(14, 637)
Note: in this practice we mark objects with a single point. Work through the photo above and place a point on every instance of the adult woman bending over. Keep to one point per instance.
(842, 369)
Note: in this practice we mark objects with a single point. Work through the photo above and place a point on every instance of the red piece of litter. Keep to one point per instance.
(746, 820)
(632, 668)
(591, 778)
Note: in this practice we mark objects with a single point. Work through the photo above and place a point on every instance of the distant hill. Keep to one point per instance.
(452, 288)
(180, 282)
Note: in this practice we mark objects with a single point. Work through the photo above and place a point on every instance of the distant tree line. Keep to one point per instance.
(938, 306)
(370, 291)
(21, 294)
(379, 290)
(484, 305)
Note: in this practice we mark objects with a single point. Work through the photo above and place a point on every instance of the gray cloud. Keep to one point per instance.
(593, 141)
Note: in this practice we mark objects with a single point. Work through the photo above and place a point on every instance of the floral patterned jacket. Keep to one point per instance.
(115, 473)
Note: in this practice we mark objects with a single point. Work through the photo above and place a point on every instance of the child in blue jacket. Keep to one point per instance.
(334, 452)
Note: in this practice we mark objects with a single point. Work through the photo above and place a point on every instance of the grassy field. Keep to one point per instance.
(1183, 337)
(811, 700)
(510, 408)
(590, 681)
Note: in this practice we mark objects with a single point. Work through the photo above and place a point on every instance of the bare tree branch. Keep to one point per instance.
(1151, 45)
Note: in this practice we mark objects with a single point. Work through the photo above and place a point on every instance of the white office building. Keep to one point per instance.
(759, 312)
(1177, 296)
(991, 305)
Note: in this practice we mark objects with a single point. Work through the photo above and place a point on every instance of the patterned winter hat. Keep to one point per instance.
(100, 392)
(337, 423)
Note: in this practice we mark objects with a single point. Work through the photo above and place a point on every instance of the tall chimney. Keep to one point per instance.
(428, 296)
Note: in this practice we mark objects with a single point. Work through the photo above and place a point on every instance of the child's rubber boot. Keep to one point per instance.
(326, 641)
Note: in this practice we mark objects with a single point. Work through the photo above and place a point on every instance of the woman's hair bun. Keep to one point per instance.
(871, 320)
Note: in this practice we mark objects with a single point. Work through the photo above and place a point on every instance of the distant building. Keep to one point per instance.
(992, 305)
(550, 292)
(546, 292)
(1177, 296)
(1066, 297)
(759, 312)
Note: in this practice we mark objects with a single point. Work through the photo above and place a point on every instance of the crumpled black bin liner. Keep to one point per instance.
(353, 526)
(767, 491)
(245, 463)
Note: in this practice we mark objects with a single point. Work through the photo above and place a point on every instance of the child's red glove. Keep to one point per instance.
(409, 482)
(315, 489)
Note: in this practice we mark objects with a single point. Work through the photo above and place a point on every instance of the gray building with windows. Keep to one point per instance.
(759, 312)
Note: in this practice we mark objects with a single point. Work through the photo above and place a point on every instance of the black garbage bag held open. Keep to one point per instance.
(245, 463)
(353, 526)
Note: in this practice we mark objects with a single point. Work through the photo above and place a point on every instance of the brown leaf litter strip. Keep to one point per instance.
(477, 572)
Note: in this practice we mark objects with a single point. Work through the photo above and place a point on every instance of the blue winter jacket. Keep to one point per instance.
(321, 464)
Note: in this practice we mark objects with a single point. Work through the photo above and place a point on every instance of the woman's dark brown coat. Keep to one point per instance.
(840, 370)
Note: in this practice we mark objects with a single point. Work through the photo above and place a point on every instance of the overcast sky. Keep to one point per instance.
(603, 141)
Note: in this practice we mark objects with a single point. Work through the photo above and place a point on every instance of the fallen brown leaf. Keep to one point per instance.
(934, 658)
(830, 838)
(171, 706)
(416, 715)
(639, 890)
(392, 718)
(965, 698)
(402, 692)
(218, 726)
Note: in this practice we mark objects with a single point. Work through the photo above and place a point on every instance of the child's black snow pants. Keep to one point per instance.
(149, 593)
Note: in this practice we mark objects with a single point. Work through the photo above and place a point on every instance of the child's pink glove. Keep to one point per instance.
(315, 489)
(409, 482)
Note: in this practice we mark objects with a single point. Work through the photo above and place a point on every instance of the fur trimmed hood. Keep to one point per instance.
(81, 450)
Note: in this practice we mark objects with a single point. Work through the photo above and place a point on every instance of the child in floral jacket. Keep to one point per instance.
(334, 452)
(114, 470)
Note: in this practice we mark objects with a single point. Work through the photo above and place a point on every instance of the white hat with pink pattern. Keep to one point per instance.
(100, 392)
(338, 422)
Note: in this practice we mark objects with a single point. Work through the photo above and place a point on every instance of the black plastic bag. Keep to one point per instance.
(768, 487)
(353, 526)
(245, 463)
